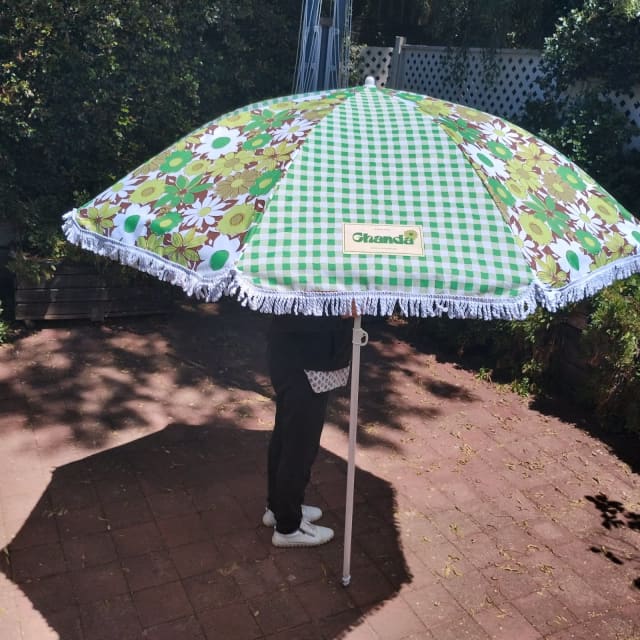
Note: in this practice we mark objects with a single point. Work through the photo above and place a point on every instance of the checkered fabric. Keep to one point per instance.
(372, 161)
(254, 205)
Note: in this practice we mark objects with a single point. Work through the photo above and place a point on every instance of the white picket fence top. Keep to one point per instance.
(511, 79)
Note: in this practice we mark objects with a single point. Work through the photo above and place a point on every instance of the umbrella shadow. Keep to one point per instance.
(396, 389)
(224, 341)
(89, 381)
(164, 534)
(234, 355)
(79, 383)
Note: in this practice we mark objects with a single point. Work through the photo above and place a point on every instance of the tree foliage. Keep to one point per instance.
(377, 22)
(597, 43)
(89, 90)
(460, 23)
(495, 23)
(593, 55)
(612, 344)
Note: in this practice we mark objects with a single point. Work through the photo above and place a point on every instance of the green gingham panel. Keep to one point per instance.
(372, 161)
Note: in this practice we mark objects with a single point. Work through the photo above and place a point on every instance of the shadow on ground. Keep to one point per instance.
(163, 536)
(94, 380)
(563, 405)
(618, 542)
(157, 428)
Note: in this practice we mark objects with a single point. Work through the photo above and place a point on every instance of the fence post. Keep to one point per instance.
(395, 81)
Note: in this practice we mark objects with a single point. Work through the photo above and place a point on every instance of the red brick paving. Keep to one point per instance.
(132, 473)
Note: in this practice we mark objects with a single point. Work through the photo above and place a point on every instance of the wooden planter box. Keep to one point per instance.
(81, 291)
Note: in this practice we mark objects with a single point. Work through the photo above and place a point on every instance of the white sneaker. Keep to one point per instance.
(309, 513)
(307, 535)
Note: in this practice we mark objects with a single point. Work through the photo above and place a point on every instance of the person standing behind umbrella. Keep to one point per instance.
(308, 356)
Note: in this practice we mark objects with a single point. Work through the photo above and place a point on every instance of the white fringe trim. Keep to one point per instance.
(555, 299)
(375, 303)
(379, 303)
(147, 261)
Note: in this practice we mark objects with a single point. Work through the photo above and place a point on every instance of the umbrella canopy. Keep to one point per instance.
(365, 197)
(387, 198)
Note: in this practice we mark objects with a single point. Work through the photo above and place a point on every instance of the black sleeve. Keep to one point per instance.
(309, 342)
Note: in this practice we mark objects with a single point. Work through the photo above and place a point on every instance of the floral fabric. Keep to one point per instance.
(254, 204)
(564, 223)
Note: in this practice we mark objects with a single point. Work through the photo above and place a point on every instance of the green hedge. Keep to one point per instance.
(90, 90)
(612, 349)
(597, 368)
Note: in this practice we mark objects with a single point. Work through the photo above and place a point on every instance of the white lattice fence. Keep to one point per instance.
(629, 104)
(376, 62)
(500, 84)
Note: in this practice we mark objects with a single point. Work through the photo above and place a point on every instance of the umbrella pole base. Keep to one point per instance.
(346, 581)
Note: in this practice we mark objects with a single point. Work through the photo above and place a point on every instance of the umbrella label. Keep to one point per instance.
(397, 239)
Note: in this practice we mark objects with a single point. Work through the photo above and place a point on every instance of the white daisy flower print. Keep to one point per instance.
(527, 246)
(119, 191)
(204, 214)
(220, 255)
(492, 166)
(294, 130)
(131, 223)
(220, 141)
(581, 213)
(500, 132)
(572, 258)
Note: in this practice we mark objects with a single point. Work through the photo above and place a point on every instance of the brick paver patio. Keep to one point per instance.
(132, 473)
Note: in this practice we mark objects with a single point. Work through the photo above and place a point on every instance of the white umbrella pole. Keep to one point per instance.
(360, 339)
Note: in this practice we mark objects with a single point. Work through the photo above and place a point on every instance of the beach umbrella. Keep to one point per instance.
(365, 199)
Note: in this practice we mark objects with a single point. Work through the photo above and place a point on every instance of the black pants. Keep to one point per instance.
(294, 444)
